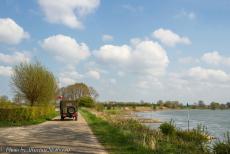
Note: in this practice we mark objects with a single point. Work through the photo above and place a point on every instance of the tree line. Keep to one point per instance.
(168, 104)
(34, 84)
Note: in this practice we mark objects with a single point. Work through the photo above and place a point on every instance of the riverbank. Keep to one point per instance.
(120, 134)
(216, 122)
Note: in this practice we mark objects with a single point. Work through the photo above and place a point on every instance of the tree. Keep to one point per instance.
(86, 101)
(4, 98)
(34, 83)
(78, 90)
(18, 99)
(228, 105)
(214, 105)
(160, 103)
(201, 104)
(223, 106)
(93, 93)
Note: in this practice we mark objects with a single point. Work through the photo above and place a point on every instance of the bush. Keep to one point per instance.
(222, 147)
(192, 136)
(168, 128)
(19, 113)
(99, 107)
(86, 101)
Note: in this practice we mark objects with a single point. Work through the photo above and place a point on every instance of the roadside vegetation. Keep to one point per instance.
(35, 88)
(126, 135)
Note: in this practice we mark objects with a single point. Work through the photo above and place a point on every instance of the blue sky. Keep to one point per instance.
(129, 50)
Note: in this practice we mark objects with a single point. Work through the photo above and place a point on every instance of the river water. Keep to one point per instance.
(216, 121)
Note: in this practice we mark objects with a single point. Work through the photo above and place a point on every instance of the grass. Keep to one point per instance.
(27, 122)
(115, 140)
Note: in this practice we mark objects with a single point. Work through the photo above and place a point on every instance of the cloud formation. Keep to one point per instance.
(186, 14)
(65, 48)
(208, 74)
(15, 58)
(169, 38)
(215, 58)
(69, 76)
(5, 70)
(94, 74)
(142, 57)
(67, 12)
(107, 37)
(11, 32)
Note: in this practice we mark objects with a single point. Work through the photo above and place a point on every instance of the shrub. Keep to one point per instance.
(222, 147)
(99, 107)
(168, 128)
(19, 113)
(86, 101)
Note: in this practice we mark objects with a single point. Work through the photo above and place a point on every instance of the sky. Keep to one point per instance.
(128, 50)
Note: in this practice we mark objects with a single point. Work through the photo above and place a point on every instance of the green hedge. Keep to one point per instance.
(86, 101)
(15, 114)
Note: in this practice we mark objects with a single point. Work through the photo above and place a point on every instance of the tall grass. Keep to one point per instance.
(222, 147)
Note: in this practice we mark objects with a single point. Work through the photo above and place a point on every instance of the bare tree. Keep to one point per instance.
(93, 93)
(78, 90)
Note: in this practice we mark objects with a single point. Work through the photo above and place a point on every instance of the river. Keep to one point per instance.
(216, 121)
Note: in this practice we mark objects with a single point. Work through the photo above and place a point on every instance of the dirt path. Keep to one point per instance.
(68, 135)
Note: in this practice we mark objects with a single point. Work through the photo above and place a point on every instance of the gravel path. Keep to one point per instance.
(51, 136)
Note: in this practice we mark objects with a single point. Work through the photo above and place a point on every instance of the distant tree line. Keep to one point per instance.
(166, 104)
(212, 105)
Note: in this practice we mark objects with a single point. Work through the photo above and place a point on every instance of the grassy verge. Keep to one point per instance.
(115, 140)
(27, 122)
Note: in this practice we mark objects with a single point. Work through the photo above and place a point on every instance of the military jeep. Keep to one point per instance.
(68, 109)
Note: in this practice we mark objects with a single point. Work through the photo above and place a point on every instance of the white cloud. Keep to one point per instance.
(11, 32)
(114, 54)
(215, 58)
(208, 74)
(149, 57)
(186, 14)
(141, 57)
(69, 76)
(15, 58)
(135, 41)
(5, 70)
(94, 74)
(169, 38)
(132, 8)
(67, 12)
(107, 37)
(65, 48)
